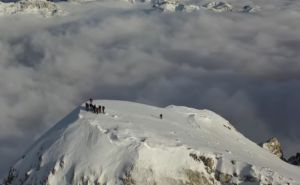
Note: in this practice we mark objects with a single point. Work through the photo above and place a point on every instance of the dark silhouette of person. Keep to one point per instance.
(100, 109)
(97, 110)
(103, 109)
(91, 101)
(161, 116)
(87, 106)
(94, 108)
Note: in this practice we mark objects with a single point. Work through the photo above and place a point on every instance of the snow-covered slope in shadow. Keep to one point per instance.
(130, 144)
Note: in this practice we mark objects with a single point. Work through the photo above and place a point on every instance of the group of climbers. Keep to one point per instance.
(89, 106)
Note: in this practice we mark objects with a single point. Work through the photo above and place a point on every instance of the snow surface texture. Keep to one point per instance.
(130, 144)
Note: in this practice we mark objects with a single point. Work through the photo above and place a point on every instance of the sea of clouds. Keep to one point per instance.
(245, 67)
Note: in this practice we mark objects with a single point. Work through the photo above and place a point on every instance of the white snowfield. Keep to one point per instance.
(131, 145)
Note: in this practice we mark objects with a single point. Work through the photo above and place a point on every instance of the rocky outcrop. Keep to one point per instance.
(218, 6)
(295, 160)
(273, 146)
(12, 174)
(41, 7)
(250, 9)
(174, 6)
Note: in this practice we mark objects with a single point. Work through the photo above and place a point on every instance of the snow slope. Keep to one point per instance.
(130, 144)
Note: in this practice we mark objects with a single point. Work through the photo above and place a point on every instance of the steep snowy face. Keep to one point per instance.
(135, 144)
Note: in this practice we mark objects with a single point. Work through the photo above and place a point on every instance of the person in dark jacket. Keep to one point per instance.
(100, 109)
(103, 109)
(161, 116)
(94, 108)
(87, 106)
(97, 110)
(91, 107)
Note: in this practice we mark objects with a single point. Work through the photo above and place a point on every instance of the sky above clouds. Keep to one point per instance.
(244, 67)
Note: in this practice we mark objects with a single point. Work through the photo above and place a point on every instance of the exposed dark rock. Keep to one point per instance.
(223, 177)
(128, 180)
(197, 178)
(250, 178)
(207, 161)
(61, 163)
(53, 171)
(295, 160)
(273, 146)
(12, 174)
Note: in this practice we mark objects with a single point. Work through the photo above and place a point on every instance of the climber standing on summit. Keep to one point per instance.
(100, 109)
(91, 104)
(103, 109)
(87, 106)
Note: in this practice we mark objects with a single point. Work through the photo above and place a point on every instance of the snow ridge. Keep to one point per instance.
(130, 144)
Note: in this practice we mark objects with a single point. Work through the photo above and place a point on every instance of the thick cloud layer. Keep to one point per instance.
(244, 67)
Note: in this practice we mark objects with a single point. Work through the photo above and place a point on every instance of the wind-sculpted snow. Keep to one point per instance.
(130, 144)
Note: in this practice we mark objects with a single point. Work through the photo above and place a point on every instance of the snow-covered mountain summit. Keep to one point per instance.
(130, 144)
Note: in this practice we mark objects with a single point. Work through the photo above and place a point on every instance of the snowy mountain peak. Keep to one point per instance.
(132, 144)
